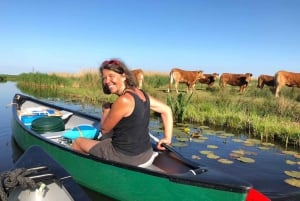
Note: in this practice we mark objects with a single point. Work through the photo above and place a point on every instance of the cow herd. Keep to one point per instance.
(190, 78)
(279, 80)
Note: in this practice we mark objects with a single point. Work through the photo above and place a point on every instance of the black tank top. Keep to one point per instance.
(131, 134)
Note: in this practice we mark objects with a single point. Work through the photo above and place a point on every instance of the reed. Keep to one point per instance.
(42, 80)
(179, 105)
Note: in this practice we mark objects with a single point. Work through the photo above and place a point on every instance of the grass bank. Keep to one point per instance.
(256, 112)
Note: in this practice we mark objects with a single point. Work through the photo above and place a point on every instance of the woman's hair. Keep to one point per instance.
(118, 67)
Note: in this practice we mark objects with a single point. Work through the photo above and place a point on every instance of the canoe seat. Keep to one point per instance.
(150, 161)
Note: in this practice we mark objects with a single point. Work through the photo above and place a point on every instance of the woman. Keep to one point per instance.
(127, 119)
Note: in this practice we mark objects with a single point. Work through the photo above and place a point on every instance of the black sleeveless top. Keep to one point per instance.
(131, 134)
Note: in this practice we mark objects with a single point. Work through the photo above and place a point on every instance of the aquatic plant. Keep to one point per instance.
(179, 105)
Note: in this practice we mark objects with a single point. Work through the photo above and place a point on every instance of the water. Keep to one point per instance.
(266, 173)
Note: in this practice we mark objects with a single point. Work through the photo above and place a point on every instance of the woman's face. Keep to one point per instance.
(115, 82)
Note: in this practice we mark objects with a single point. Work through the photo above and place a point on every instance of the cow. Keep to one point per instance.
(182, 76)
(139, 76)
(209, 79)
(268, 80)
(241, 80)
(284, 78)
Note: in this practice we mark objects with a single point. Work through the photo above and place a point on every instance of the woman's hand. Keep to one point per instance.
(163, 141)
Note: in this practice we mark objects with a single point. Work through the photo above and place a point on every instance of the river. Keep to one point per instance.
(267, 173)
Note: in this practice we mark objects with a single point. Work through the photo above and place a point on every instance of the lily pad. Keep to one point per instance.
(253, 141)
(182, 139)
(249, 144)
(235, 155)
(178, 133)
(209, 132)
(245, 159)
(290, 162)
(237, 140)
(205, 152)
(295, 174)
(225, 161)
(268, 144)
(203, 138)
(264, 148)
(239, 151)
(204, 127)
(212, 156)
(179, 144)
(212, 146)
(198, 140)
(289, 152)
(293, 182)
(228, 134)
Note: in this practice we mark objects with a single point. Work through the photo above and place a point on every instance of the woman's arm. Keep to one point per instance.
(167, 119)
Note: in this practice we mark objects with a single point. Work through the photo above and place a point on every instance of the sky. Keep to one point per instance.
(68, 36)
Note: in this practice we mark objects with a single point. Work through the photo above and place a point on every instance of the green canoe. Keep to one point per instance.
(169, 177)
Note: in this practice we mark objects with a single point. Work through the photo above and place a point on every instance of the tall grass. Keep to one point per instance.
(256, 112)
(179, 105)
(41, 80)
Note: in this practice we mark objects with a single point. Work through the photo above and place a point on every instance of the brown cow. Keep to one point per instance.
(139, 76)
(265, 80)
(188, 77)
(209, 79)
(284, 78)
(241, 80)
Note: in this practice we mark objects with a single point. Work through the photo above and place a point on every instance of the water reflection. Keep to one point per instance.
(16, 150)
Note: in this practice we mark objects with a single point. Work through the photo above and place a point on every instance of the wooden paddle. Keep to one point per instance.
(185, 160)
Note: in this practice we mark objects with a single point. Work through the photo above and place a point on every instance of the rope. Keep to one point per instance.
(11, 179)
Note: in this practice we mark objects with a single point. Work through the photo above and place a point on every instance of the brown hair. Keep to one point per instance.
(120, 68)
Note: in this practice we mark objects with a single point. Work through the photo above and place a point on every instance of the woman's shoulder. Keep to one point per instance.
(126, 98)
(136, 92)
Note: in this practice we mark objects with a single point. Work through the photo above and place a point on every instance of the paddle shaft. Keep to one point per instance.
(188, 162)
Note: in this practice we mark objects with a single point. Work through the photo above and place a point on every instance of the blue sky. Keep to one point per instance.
(238, 36)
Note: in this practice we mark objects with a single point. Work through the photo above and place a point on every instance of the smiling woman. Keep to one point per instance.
(126, 120)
